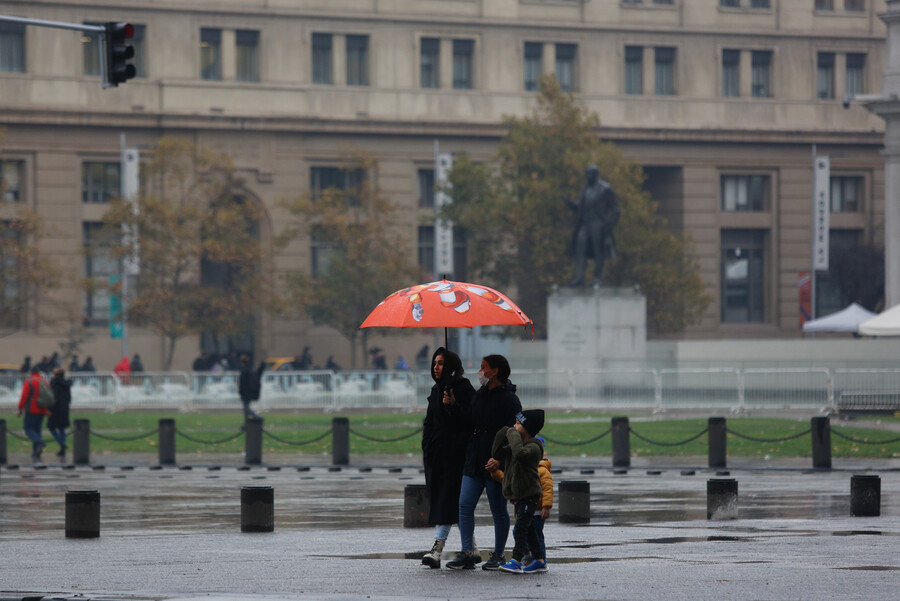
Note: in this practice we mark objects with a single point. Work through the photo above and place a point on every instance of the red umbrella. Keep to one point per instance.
(446, 304)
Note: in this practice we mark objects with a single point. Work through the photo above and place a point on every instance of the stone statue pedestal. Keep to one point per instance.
(592, 327)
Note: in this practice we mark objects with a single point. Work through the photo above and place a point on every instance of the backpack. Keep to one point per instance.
(45, 399)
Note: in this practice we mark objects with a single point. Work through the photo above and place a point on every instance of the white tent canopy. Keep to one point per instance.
(845, 320)
(883, 324)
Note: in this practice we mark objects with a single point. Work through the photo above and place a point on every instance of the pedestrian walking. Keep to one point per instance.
(59, 415)
(495, 405)
(249, 385)
(26, 365)
(34, 414)
(73, 365)
(446, 430)
(517, 452)
(123, 370)
(88, 365)
(136, 365)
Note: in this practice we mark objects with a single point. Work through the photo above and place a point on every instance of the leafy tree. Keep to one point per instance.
(359, 260)
(518, 226)
(192, 218)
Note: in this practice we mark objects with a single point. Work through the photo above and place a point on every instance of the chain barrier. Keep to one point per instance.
(126, 439)
(858, 441)
(669, 444)
(197, 440)
(373, 439)
(754, 439)
(575, 444)
(296, 444)
(19, 436)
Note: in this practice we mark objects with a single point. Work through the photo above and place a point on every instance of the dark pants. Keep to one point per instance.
(538, 523)
(32, 425)
(524, 532)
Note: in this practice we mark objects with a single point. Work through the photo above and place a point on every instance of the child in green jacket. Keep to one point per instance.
(517, 453)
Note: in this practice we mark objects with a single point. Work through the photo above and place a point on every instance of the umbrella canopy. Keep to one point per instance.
(845, 320)
(446, 304)
(883, 324)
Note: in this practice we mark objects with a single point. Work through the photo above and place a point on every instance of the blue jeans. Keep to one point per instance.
(32, 425)
(60, 435)
(469, 493)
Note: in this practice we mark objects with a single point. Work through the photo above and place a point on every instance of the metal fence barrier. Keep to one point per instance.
(720, 388)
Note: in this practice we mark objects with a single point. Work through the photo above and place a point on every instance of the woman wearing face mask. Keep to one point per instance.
(445, 432)
(495, 405)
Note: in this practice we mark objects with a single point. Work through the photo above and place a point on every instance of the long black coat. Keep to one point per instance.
(491, 410)
(446, 430)
(62, 393)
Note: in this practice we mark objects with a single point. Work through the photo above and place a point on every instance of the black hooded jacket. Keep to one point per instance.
(491, 410)
(446, 430)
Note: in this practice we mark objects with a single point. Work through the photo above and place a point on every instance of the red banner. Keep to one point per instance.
(804, 295)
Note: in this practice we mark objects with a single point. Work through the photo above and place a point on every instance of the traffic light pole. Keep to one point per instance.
(98, 30)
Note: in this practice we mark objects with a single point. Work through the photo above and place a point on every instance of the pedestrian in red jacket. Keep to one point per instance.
(34, 415)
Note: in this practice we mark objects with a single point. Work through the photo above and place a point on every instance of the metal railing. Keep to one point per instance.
(720, 388)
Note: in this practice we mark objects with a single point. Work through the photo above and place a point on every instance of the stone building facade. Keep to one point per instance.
(722, 101)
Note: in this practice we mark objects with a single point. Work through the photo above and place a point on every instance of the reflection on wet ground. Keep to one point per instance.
(145, 500)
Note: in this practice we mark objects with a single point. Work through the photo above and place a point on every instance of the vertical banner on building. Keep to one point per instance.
(804, 296)
(115, 309)
(443, 228)
(821, 212)
(130, 170)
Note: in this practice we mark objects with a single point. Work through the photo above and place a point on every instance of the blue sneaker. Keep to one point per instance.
(512, 566)
(535, 567)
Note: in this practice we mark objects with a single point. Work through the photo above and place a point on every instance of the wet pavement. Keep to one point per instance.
(174, 533)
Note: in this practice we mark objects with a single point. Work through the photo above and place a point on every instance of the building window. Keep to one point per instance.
(463, 64)
(731, 73)
(12, 48)
(855, 79)
(90, 50)
(854, 6)
(211, 54)
(348, 181)
(760, 75)
(10, 281)
(246, 55)
(323, 249)
(357, 60)
(565, 66)
(744, 192)
(99, 265)
(831, 297)
(11, 180)
(430, 63)
(743, 276)
(846, 194)
(825, 76)
(760, 4)
(664, 81)
(99, 182)
(321, 58)
(730, 3)
(426, 249)
(426, 188)
(634, 70)
(824, 5)
(534, 65)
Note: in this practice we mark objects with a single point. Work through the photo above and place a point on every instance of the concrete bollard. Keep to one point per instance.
(621, 443)
(821, 442)
(253, 441)
(81, 442)
(82, 514)
(257, 509)
(718, 453)
(3, 456)
(721, 499)
(167, 441)
(340, 441)
(865, 496)
(574, 502)
(416, 506)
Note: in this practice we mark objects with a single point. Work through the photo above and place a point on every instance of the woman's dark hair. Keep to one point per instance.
(499, 363)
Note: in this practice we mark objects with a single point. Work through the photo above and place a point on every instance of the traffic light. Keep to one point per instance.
(118, 52)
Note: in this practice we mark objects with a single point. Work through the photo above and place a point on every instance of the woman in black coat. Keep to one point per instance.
(59, 415)
(445, 433)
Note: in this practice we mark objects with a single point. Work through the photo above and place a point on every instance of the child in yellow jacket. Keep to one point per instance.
(546, 500)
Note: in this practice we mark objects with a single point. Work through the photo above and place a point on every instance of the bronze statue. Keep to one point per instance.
(598, 214)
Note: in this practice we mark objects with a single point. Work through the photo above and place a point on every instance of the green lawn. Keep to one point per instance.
(560, 428)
